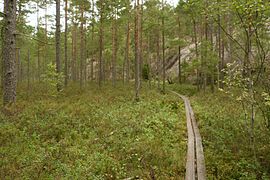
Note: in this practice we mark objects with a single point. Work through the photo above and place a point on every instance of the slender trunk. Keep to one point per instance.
(179, 52)
(137, 51)
(19, 75)
(221, 59)
(179, 66)
(212, 70)
(57, 44)
(222, 64)
(9, 53)
(205, 55)
(230, 42)
(85, 55)
(38, 46)
(114, 51)
(28, 72)
(127, 53)
(196, 52)
(82, 48)
(92, 38)
(140, 27)
(247, 71)
(101, 46)
(158, 57)
(73, 55)
(46, 37)
(38, 58)
(149, 60)
(66, 48)
(163, 50)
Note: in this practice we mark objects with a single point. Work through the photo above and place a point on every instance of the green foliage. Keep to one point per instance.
(226, 139)
(266, 97)
(145, 72)
(51, 77)
(185, 89)
(96, 134)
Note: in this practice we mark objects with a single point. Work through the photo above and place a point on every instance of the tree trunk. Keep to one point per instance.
(46, 37)
(101, 66)
(38, 58)
(127, 61)
(163, 49)
(28, 72)
(82, 47)
(204, 74)
(212, 73)
(114, 50)
(9, 52)
(74, 52)
(57, 44)
(149, 60)
(158, 57)
(92, 38)
(198, 73)
(137, 50)
(66, 33)
(126, 68)
(221, 58)
(140, 31)
(19, 75)
(179, 52)
(38, 46)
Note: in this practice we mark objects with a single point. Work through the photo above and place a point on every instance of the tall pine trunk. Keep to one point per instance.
(57, 44)
(127, 61)
(158, 56)
(137, 50)
(114, 50)
(66, 32)
(101, 65)
(74, 52)
(179, 52)
(92, 38)
(163, 49)
(82, 47)
(38, 46)
(9, 52)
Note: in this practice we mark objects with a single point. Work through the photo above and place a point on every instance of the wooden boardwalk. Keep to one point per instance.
(195, 165)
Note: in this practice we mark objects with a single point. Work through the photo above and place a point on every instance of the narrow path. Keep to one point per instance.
(195, 165)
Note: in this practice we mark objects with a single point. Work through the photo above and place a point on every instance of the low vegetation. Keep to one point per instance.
(228, 149)
(94, 134)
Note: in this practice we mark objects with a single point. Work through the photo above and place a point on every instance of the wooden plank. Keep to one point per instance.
(190, 164)
(195, 165)
(200, 162)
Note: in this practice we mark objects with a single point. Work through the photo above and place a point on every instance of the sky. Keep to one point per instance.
(32, 18)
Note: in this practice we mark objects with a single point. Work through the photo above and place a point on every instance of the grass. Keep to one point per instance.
(92, 134)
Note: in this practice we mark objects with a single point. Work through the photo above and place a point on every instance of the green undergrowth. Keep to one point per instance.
(92, 134)
(229, 153)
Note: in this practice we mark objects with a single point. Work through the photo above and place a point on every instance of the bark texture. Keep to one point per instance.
(9, 52)
(57, 44)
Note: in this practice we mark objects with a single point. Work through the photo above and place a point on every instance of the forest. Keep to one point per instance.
(135, 89)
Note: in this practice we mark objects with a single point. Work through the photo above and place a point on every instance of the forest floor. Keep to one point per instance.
(95, 134)
(104, 134)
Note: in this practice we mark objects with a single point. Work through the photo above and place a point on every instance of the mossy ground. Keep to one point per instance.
(93, 134)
